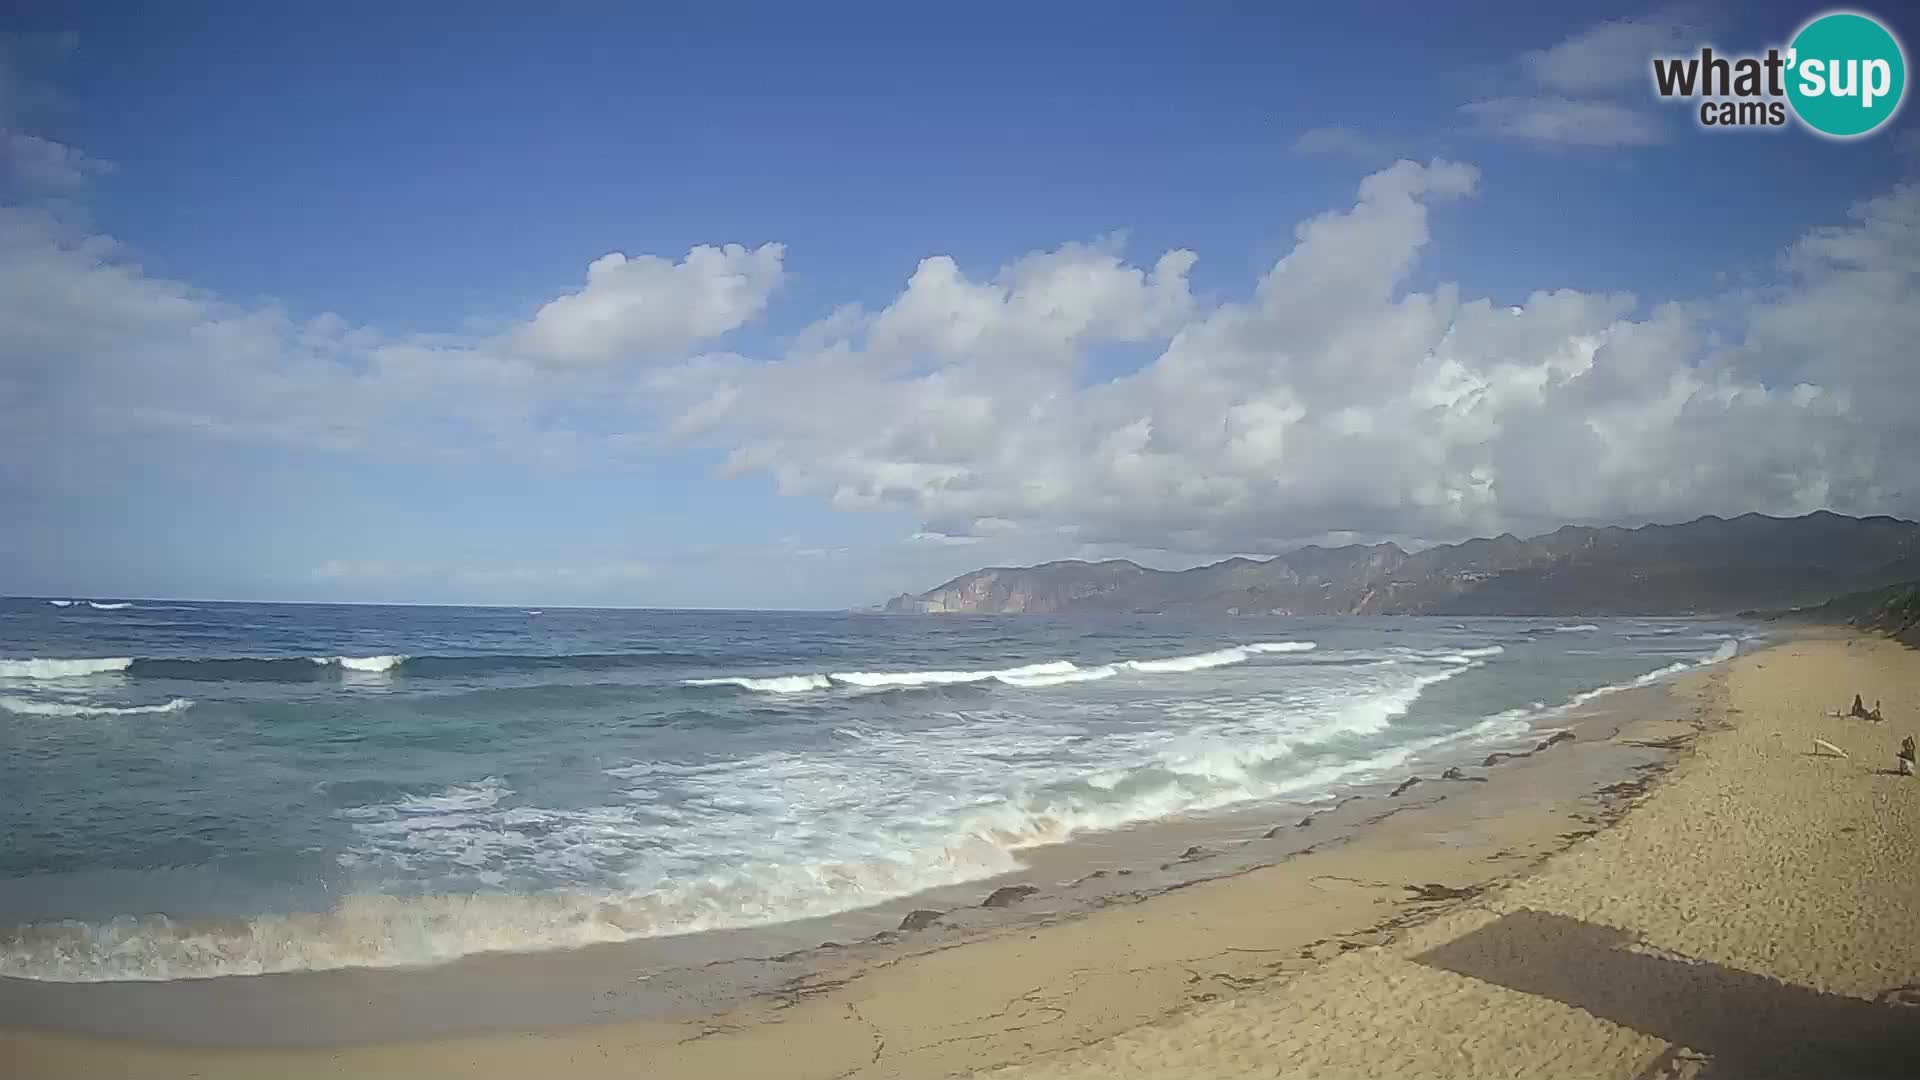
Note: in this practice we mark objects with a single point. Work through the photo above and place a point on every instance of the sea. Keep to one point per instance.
(194, 790)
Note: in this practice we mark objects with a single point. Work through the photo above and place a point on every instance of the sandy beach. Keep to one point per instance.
(1683, 888)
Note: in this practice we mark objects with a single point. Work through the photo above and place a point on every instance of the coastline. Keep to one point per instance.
(1085, 959)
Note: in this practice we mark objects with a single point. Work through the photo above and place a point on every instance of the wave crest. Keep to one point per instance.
(38, 668)
(1042, 674)
(375, 664)
(26, 707)
(1195, 662)
(770, 684)
(468, 824)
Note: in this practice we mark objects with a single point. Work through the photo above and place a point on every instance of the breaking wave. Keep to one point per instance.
(772, 684)
(383, 662)
(37, 668)
(845, 862)
(1727, 651)
(307, 668)
(26, 707)
(1047, 673)
(1195, 662)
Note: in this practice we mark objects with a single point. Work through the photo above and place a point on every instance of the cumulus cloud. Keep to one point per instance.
(1326, 397)
(1039, 306)
(648, 306)
(1334, 399)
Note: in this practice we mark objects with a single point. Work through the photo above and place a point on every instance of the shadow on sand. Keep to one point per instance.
(1747, 1024)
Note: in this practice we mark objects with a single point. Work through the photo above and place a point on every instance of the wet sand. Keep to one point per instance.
(1489, 925)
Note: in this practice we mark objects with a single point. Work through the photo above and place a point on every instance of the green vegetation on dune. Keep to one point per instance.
(1893, 610)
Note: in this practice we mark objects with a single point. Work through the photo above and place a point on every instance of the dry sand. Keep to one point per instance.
(1756, 913)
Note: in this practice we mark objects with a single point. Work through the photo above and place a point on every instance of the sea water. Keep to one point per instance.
(196, 789)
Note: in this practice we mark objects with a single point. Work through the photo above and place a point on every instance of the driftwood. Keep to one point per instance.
(1859, 708)
(1823, 748)
(1873, 714)
(1906, 756)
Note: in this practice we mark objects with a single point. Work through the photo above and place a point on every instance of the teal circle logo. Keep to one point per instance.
(1846, 74)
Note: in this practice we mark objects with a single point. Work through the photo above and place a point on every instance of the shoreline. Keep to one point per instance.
(1294, 894)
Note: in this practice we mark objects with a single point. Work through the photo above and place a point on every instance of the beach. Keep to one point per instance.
(1683, 888)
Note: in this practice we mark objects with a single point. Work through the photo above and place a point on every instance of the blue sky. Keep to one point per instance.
(355, 387)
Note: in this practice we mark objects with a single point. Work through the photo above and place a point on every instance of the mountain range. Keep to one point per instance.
(1710, 565)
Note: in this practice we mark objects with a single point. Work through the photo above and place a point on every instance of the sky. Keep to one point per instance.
(757, 306)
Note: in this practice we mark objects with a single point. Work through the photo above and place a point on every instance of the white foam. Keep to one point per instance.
(1467, 656)
(762, 838)
(97, 606)
(37, 668)
(771, 684)
(1578, 628)
(1727, 651)
(946, 678)
(61, 603)
(26, 707)
(1281, 646)
(370, 664)
(1195, 662)
(1377, 712)
(1648, 679)
(1042, 674)
(476, 796)
(1057, 678)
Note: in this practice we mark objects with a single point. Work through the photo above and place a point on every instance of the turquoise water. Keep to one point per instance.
(206, 789)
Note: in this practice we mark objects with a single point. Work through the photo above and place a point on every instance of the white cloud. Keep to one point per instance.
(649, 306)
(1565, 121)
(1590, 89)
(1332, 399)
(44, 165)
(1612, 55)
(1325, 397)
(1339, 141)
(1039, 306)
(100, 360)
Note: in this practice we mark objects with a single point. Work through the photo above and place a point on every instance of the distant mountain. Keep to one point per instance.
(1711, 565)
(1893, 610)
